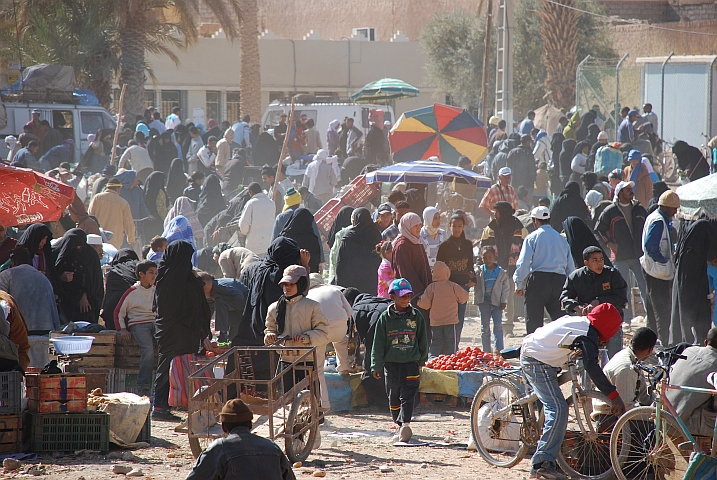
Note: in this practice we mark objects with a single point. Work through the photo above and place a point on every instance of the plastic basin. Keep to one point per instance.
(72, 345)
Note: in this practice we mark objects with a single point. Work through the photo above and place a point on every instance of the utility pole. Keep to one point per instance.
(486, 64)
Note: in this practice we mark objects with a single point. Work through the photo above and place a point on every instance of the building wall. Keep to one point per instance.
(661, 11)
(643, 41)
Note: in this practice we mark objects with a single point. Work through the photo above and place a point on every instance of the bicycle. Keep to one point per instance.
(652, 442)
(507, 421)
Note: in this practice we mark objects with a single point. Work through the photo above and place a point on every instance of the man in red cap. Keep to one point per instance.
(543, 353)
(241, 454)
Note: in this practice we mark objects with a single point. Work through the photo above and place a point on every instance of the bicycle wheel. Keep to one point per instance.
(500, 436)
(636, 452)
(585, 453)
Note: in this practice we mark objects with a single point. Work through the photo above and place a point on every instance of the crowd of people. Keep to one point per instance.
(183, 241)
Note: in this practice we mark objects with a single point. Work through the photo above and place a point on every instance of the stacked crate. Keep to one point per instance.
(10, 416)
(101, 355)
(62, 392)
(69, 432)
(128, 354)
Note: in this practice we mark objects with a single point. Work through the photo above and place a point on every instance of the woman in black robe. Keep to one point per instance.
(81, 286)
(691, 160)
(176, 181)
(234, 172)
(565, 159)
(580, 237)
(690, 306)
(155, 197)
(556, 146)
(581, 133)
(266, 151)
(120, 277)
(569, 204)
(357, 261)
(36, 238)
(183, 316)
(300, 229)
(211, 200)
(342, 220)
(658, 188)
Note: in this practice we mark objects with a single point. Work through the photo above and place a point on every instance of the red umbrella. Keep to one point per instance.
(28, 197)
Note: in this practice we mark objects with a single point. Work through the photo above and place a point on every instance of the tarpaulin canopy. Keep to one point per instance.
(699, 198)
(423, 171)
(383, 90)
(28, 197)
(438, 130)
(546, 118)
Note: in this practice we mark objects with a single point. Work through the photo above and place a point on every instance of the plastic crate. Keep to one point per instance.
(145, 435)
(10, 392)
(69, 432)
(357, 195)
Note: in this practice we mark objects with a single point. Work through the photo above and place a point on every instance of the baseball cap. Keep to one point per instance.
(36, 111)
(622, 185)
(634, 155)
(669, 199)
(541, 213)
(292, 274)
(602, 135)
(400, 287)
(606, 320)
(384, 208)
(505, 171)
(114, 182)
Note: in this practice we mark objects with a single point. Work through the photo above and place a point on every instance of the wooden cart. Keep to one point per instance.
(288, 413)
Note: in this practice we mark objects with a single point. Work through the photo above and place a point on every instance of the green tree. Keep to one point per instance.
(529, 59)
(453, 43)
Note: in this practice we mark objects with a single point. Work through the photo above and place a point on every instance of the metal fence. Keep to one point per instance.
(609, 84)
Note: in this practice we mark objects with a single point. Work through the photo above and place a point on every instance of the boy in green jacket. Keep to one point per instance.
(400, 348)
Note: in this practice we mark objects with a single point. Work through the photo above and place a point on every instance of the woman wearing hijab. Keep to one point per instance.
(211, 200)
(568, 204)
(431, 233)
(565, 160)
(581, 133)
(639, 174)
(265, 151)
(580, 237)
(206, 262)
(409, 256)
(341, 224)
(81, 288)
(332, 136)
(658, 188)
(300, 229)
(183, 317)
(691, 308)
(556, 146)
(156, 199)
(234, 172)
(185, 207)
(357, 262)
(176, 180)
(579, 161)
(593, 132)
(119, 278)
(690, 160)
(36, 239)
(83, 220)
(178, 228)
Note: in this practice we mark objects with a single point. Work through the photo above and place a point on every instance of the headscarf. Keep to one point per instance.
(579, 147)
(205, 260)
(152, 188)
(185, 207)
(120, 277)
(342, 220)
(179, 229)
(334, 125)
(581, 132)
(566, 158)
(593, 132)
(183, 313)
(404, 227)
(690, 159)
(32, 237)
(176, 180)
(593, 198)
(300, 228)
(312, 171)
(66, 248)
(363, 229)
(302, 285)
(658, 188)
(124, 263)
(569, 203)
(580, 237)
(428, 214)
(211, 201)
(84, 221)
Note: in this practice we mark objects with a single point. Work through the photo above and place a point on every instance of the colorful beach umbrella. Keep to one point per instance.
(424, 171)
(383, 90)
(439, 130)
(28, 197)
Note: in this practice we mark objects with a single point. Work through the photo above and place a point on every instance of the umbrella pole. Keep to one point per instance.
(283, 150)
(119, 125)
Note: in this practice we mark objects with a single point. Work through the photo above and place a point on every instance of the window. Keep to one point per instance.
(150, 100)
(366, 34)
(109, 122)
(170, 99)
(91, 122)
(213, 100)
(233, 107)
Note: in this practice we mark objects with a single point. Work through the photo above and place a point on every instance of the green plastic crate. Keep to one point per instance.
(69, 432)
(10, 392)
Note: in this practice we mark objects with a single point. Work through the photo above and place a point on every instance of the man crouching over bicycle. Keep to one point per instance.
(543, 353)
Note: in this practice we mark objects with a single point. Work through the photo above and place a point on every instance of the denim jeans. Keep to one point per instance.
(443, 340)
(144, 335)
(461, 319)
(544, 380)
(625, 267)
(488, 312)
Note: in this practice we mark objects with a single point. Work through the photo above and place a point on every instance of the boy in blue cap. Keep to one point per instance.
(400, 349)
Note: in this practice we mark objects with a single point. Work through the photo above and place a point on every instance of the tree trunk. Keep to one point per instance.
(102, 86)
(559, 31)
(132, 70)
(250, 74)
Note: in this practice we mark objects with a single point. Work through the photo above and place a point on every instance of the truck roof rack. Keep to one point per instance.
(305, 99)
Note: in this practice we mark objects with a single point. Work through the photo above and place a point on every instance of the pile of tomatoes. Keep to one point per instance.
(468, 360)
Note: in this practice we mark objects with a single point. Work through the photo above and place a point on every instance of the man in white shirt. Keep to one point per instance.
(257, 220)
(241, 132)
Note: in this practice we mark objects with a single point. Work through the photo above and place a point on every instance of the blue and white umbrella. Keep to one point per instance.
(425, 171)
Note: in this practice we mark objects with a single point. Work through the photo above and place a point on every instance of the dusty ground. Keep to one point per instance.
(339, 457)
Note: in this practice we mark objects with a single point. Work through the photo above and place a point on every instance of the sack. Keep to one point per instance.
(663, 271)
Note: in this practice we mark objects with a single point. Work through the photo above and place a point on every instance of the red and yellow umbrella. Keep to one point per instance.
(438, 130)
(28, 197)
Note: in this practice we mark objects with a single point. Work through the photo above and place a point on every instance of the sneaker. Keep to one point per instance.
(165, 415)
(546, 471)
(405, 433)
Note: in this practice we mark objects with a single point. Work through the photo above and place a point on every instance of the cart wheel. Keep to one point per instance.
(304, 412)
(199, 444)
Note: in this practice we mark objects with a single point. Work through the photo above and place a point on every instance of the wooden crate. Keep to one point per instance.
(62, 392)
(57, 380)
(101, 355)
(11, 433)
(127, 353)
(429, 399)
(98, 378)
(71, 406)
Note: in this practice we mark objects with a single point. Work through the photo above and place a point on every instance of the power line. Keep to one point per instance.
(632, 22)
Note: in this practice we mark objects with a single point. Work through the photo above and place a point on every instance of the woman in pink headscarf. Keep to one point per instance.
(409, 255)
(185, 206)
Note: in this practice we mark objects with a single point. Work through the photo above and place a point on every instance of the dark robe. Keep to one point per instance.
(691, 160)
(266, 151)
(176, 181)
(31, 239)
(342, 220)
(580, 237)
(690, 306)
(153, 189)
(568, 204)
(556, 146)
(120, 277)
(300, 229)
(565, 159)
(211, 200)
(357, 261)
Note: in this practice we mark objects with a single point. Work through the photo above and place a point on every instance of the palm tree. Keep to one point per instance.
(250, 75)
(559, 32)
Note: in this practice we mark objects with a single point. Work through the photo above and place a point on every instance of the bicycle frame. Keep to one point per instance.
(663, 400)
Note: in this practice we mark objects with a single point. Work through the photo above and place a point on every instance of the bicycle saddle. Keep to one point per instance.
(511, 352)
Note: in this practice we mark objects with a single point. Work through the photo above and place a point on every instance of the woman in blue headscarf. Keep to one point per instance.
(178, 228)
